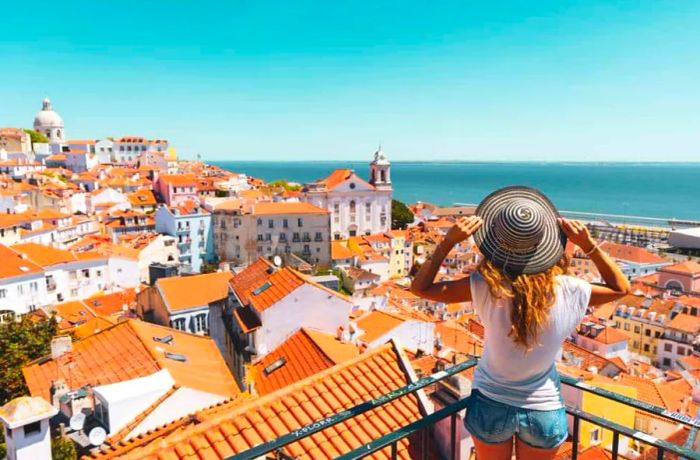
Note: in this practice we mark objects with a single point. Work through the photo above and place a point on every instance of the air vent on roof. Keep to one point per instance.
(270, 270)
(274, 365)
(165, 339)
(176, 356)
(259, 290)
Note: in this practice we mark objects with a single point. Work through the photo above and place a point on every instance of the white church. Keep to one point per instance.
(356, 206)
(50, 123)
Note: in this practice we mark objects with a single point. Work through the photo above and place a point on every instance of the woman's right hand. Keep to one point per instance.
(577, 232)
(463, 229)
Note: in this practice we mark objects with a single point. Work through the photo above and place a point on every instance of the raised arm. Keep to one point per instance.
(616, 284)
(424, 284)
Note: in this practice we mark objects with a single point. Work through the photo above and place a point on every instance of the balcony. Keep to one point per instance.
(425, 427)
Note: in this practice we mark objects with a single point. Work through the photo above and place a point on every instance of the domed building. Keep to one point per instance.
(49, 123)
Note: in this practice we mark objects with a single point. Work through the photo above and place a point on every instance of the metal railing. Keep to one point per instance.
(425, 424)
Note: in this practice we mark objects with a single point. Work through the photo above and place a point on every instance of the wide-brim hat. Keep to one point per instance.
(520, 233)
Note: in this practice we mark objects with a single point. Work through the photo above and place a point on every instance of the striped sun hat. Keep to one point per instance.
(520, 233)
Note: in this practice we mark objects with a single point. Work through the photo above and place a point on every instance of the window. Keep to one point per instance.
(636, 329)
(74, 293)
(595, 436)
(270, 223)
(368, 210)
(668, 347)
(86, 273)
(646, 347)
(20, 289)
(667, 362)
(72, 275)
(657, 334)
(199, 323)
(268, 237)
(627, 327)
(259, 221)
(3, 293)
(285, 223)
(680, 350)
(635, 344)
(98, 273)
(300, 222)
(32, 428)
(178, 323)
(319, 236)
(647, 332)
(260, 237)
(33, 286)
(283, 237)
(295, 237)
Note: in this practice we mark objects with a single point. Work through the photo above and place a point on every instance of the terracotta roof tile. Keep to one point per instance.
(688, 267)
(127, 350)
(183, 292)
(217, 434)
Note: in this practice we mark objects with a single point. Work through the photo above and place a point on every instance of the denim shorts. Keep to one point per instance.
(493, 422)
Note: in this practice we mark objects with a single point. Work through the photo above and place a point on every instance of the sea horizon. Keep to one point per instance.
(648, 189)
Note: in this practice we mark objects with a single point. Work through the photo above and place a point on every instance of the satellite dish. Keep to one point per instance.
(277, 260)
(77, 421)
(97, 436)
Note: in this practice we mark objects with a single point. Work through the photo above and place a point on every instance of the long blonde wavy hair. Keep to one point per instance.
(532, 296)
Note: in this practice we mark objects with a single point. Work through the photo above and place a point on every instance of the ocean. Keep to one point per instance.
(666, 190)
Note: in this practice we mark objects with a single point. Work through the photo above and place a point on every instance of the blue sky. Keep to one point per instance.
(451, 80)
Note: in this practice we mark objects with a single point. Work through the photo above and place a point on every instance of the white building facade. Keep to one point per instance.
(357, 206)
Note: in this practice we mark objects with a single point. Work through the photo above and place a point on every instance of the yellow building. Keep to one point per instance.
(401, 259)
(644, 320)
(593, 435)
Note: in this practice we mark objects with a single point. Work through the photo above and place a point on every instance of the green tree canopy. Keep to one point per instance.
(20, 342)
(285, 183)
(401, 216)
(36, 136)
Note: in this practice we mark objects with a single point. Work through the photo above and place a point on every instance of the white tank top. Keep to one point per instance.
(507, 372)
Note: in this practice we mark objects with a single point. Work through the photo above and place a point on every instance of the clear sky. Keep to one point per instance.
(460, 80)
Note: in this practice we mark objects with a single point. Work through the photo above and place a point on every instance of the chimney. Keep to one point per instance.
(60, 345)
(339, 333)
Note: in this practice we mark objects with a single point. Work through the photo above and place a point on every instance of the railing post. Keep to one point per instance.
(616, 441)
(424, 443)
(393, 450)
(574, 444)
(453, 436)
(659, 453)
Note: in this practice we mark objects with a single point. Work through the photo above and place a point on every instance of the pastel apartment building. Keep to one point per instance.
(174, 189)
(244, 233)
(190, 224)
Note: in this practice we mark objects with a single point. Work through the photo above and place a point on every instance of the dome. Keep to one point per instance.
(380, 158)
(47, 118)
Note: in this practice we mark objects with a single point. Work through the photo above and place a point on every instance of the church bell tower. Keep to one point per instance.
(380, 171)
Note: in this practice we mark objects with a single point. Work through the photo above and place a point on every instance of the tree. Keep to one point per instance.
(401, 216)
(63, 449)
(36, 136)
(20, 342)
(284, 183)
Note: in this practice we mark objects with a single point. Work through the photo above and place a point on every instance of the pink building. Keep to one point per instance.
(175, 189)
(684, 276)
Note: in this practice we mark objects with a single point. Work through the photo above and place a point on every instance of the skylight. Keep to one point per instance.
(274, 365)
(165, 339)
(260, 289)
(176, 357)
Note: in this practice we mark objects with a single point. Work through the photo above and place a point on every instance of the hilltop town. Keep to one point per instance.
(153, 307)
